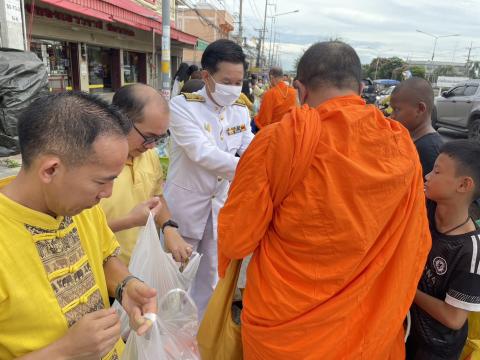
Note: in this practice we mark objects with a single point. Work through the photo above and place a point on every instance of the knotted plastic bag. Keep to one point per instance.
(159, 270)
(172, 336)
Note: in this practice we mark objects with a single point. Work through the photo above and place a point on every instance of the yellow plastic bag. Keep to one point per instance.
(471, 351)
(219, 338)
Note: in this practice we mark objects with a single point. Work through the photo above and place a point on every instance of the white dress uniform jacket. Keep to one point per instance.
(204, 140)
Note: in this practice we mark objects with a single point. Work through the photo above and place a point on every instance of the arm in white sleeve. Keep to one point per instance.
(191, 137)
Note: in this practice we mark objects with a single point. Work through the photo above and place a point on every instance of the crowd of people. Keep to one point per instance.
(351, 225)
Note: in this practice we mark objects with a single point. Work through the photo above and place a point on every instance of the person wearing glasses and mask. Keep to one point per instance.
(138, 189)
(208, 129)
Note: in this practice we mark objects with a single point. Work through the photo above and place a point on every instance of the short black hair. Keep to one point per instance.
(182, 72)
(466, 155)
(330, 64)
(130, 104)
(192, 85)
(67, 124)
(418, 89)
(222, 50)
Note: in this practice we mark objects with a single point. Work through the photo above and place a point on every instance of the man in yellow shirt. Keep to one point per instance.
(138, 188)
(59, 263)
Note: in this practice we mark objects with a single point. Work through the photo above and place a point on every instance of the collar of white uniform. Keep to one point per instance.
(218, 109)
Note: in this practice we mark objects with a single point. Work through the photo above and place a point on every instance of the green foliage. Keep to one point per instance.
(418, 71)
(384, 68)
(446, 70)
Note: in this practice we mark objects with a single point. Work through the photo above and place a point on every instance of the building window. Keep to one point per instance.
(56, 55)
(131, 67)
(99, 69)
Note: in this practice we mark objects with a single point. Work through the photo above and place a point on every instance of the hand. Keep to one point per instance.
(93, 336)
(138, 216)
(175, 244)
(138, 299)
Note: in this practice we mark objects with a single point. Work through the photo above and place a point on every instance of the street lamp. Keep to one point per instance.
(436, 37)
(274, 16)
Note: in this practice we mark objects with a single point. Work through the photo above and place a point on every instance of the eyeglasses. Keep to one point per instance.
(156, 139)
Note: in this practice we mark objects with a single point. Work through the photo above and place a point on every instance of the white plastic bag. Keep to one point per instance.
(173, 334)
(159, 270)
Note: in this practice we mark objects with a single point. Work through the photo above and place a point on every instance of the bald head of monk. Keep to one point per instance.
(412, 104)
(327, 70)
(275, 75)
(149, 113)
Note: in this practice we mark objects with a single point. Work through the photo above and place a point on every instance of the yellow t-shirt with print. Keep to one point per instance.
(139, 180)
(51, 274)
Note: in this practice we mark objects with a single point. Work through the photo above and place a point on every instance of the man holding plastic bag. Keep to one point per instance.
(59, 258)
(138, 189)
(173, 335)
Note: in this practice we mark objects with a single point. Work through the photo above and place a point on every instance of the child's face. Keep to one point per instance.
(442, 183)
(406, 111)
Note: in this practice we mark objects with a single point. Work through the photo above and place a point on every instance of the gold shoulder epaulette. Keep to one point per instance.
(193, 97)
(240, 102)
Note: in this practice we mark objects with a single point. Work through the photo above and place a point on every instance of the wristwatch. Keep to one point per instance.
(170, 223)
(121, 286)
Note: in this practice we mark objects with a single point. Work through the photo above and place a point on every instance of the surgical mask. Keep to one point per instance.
(225, 95)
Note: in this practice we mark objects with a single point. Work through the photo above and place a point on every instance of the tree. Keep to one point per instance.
(418, 71)
(383, 68)
(474, 69)
(446, 70)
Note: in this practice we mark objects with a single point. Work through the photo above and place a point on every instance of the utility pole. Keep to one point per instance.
(270, 58)
(240, 25)
(259, 46)
(166, 82)
(264, 32)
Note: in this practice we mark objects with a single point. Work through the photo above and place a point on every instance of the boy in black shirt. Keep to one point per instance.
(412, 104)
(450, 285)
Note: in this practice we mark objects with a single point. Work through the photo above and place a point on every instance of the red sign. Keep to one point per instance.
(96, 24)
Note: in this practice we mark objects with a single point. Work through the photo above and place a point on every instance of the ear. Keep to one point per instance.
(204, 75)
(466, 185)
(422, 107)
(361, 86)
(48, 168)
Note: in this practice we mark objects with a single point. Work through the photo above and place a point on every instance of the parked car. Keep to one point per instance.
(459, 109)
(368, 93)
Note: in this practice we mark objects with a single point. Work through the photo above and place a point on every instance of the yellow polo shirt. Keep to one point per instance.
(51, 275)
(140, 179)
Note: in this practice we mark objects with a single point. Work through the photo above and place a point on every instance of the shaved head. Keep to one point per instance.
(132, 100)
(414, 91)
(330, 64)
(276, 72)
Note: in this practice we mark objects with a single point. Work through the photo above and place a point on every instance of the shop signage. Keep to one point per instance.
(201, 45)
(14, 14)
(78, 20)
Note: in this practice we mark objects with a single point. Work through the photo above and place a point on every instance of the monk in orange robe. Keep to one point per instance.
(277, 101)
(336, 222)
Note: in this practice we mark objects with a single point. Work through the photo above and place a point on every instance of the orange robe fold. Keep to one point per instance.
(330, 201)
(276, 102)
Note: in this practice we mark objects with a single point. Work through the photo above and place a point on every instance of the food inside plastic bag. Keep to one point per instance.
(158, 269)
(173, 333)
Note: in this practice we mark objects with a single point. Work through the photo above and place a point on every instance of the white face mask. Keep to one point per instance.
(225, 95)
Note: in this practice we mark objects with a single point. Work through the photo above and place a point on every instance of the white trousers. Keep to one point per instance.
(207, 274)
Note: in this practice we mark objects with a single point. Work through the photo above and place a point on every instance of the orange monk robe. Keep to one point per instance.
(275, 104)
(330, 201)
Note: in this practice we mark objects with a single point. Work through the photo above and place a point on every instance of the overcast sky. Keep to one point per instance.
(373, 27)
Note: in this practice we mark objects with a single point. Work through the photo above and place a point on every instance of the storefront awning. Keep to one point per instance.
(122, 11)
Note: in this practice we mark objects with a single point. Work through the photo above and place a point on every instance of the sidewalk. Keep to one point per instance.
(10, 165)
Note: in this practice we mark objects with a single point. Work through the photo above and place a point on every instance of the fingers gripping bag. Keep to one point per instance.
(172, 336)
(158, 269)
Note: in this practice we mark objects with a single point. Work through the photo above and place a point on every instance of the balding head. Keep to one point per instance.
(276, 72)
(330, 64)
(133, 99)
(415, 90)
(147, 110)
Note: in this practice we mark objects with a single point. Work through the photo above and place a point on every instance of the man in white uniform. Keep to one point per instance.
(208, 129)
